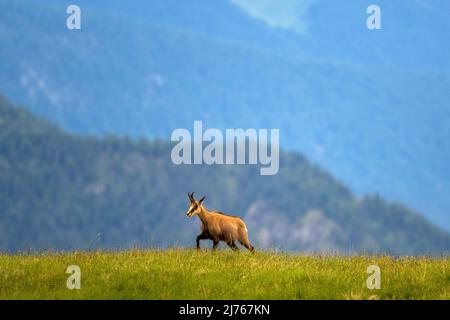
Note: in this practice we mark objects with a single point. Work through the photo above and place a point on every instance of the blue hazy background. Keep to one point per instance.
(371, 107)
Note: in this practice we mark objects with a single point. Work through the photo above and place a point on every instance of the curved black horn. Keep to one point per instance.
(191, 196)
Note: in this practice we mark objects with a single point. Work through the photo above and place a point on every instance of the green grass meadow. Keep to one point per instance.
(188, 274)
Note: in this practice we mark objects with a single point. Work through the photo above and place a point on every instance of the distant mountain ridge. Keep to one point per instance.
(371, 107)
(60, 191)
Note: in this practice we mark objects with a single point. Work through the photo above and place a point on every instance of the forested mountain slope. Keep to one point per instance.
(63, 191)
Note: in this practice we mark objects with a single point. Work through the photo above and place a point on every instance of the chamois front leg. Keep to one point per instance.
(201, 236)
(215, 243)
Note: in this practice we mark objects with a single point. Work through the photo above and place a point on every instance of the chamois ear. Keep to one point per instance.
(201, 200)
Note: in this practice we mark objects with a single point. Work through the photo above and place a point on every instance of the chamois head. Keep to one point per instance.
(195, 206)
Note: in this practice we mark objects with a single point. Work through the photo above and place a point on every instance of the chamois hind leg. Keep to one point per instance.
(247, 244)
(232, 245)
(244, 240)
(249, 247)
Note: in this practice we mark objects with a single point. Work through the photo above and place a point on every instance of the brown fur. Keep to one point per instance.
(217, 226)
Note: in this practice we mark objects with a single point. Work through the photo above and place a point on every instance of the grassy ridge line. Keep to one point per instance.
(187, 274)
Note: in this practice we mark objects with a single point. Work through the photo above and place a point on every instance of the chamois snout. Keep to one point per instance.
(191, 212)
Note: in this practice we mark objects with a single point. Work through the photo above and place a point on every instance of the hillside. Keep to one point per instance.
(187, 274)
(63, 191)
(372, 108)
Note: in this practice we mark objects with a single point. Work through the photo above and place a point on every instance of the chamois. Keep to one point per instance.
(217, 226)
